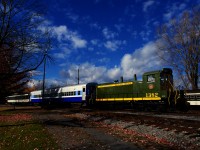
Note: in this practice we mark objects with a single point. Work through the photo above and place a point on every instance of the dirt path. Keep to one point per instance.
(74, 134)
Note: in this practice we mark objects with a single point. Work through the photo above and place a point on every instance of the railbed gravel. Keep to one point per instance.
(180, 140)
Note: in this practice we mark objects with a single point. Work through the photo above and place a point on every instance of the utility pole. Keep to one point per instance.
(78, 76)
(44, 74)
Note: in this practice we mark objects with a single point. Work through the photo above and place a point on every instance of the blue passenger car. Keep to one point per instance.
(68, 94)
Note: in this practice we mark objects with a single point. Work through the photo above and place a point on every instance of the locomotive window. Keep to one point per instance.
(187, 97)
(83, 89)
(192, 97)
(166, 80)
(74, 93)
(79, 92)
(151, 78)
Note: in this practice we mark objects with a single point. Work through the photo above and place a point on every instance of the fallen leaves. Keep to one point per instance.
(15, 118)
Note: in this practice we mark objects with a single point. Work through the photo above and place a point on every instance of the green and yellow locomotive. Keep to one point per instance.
(154, 91)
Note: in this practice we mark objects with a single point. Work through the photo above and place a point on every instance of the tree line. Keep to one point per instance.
(23, 44)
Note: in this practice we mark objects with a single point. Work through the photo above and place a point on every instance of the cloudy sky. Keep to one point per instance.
(106, 39)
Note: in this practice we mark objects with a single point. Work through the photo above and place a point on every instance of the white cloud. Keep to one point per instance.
(93, 73)
(142, 60)
(111, 42)
(54, 83)
(35, 73)
(68, 41)
(104, 60)
(144, 35)
(94, 42)
(114, 44)
(114, 73)
(73, 17)
(174, 10)
(59, 55)
(63, 34)
(78, 42)
(63, 53)
(119, 27)
(37, 84)
(109, 34)
(147, 4)
(95, 26)
(32, 83)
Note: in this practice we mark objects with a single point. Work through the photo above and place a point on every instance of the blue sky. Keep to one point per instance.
(106, 39)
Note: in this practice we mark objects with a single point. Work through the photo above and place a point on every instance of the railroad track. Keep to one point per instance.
(177, 129)
(192, 116)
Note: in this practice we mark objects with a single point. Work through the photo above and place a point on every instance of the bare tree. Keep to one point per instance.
(24, 42)
(179, 46)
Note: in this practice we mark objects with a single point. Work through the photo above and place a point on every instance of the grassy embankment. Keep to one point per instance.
(19, 131)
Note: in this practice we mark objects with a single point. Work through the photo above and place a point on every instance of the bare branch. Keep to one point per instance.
(181, 42)
(23, 45)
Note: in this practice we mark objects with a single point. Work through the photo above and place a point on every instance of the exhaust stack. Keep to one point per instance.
(135, 77)
(121, 79)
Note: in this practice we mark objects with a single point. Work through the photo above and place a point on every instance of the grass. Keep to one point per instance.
(4, 109)
(21, 132)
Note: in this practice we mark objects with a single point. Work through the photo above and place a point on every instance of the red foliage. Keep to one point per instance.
(15, 118)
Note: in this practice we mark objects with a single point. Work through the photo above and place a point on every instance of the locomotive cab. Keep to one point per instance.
(166, 79)
(158, 81)
(166, 87)
(158, 87)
